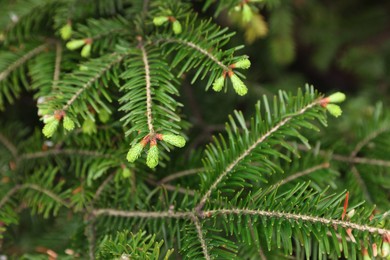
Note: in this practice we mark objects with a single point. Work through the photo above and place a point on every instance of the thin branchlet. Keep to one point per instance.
(231, 166)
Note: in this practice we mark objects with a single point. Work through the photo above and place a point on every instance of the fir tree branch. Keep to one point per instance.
(35, 155)
(361, 160)
(348, 159)
(366, 140)
(259, 249)
(180, 174)
(201, 238)
(9, 145)
(192, 45)
(89, 83)
(298, 217)
(361, 183)
(22, 60)
(148, 89)
(102, 186)
(57, 65)
(34, 187)
(231, 166)
(324, 165)
(141, 214)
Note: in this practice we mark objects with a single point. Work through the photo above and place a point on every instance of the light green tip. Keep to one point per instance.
(243, 64)
(75, 44)
(86, 51)
(152, 158)
(247, 13)
(50, 128)
(66, 31)
(175, 140)
(89, 126)
(337, 97)
(177, 27)
(126, 173)
(334, 110)
(218, 84)
(134, 152)
(68, 123)
(238, 85)
(160, 20)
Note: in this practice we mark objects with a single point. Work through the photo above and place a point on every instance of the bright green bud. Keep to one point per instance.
(66, 31)
(89, 126)
(50, 128)
(175, 140)
(126, 173)
(68, 123)
(218, 83)
(48, 119)
(86, 51)
(75, 44)
(134, 152)
(238, 85)
(351, 213)
(152, 158)
(247, 13)
(176, 27)
(160, 20)
(385, 249)
(334, 110)
(83, 68)
(337, 97)
(242, 64)
(104, 116)
(366, 257)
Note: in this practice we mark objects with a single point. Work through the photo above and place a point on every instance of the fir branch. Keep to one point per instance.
(148, 89)
(298, 217)
(102, 186)
(201, 238)
(116, 60)
(9, 145)
(361, 183)
(22, 60)
(141, 214)
(231, 166)
(198, 48)
(361, 160)
(180, 174)
(297, 175)
(19, 187)
(259, 249)
(57, 65)
(369, 138)
(54, 152)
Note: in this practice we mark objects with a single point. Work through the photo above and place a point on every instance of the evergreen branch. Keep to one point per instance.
(361, 160)
(102, 186)
(22, 60)
(324, 165)
(370, 137)
(260, 250)
(348, 159)
(98, 75)
(201, 238)
(298, 217)
(199, 49)
(231, 166)
(35, 155)
(361, 183)
(148, 91)
(9, 145)
(34, 187)
(141, 214)
(57, 65)
(180, 174)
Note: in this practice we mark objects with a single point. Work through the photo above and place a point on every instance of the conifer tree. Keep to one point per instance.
(118, 163)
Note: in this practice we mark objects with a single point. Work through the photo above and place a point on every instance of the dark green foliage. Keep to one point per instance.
(103, 78)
